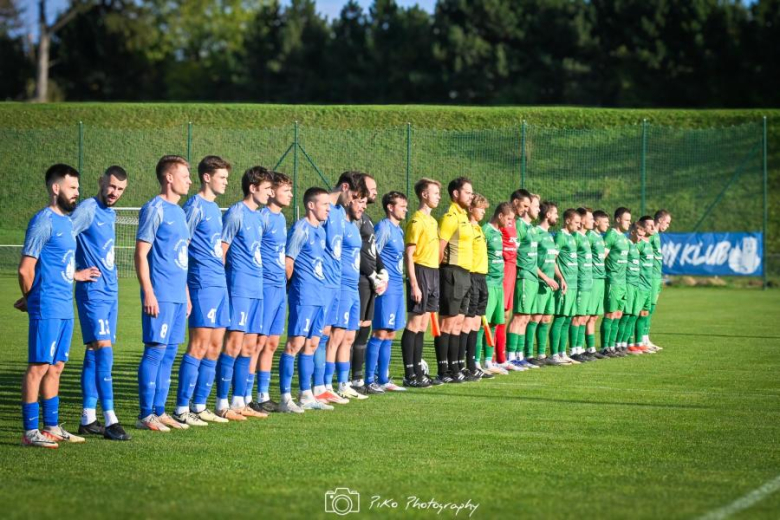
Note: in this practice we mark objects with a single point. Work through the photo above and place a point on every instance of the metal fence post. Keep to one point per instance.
(81, 147)
(295, 170)
(766, 208)
(189, 140)
(644, 168)
(408, 157)
(522, 155)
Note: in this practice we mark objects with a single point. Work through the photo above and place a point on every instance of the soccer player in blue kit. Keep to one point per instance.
(307, 296)
(161, 261)
(242, 235)
(389, 306)
(208, 292)
(98, 302)
(46, 273)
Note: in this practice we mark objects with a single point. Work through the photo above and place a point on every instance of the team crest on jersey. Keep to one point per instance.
(216, 245)
(70, 266)
(108, 260)
(182, 261)
(337, 248)
(400, 265)
(356, 260)
(318, 269)
(257, 257)
(280, 257)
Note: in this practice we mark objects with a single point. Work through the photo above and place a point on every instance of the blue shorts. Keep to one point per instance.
(389, 309)
(246, 315)
(48, 341)
(306, 321)
(332, 308)
(349, 309)
(168, 327)
(98, 320)
(274, 310)
(210, 308)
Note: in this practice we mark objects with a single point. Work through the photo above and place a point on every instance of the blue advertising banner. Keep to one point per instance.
(713, 254)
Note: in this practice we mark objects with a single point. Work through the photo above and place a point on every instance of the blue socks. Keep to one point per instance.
(104, 361)
(147, 377)
(188, 379)
(30, 416)
(89, 391)
(206, 373)
(164, 378)
(240, 375)
(305, 369)
(51, 411)
(225, 375)
(319, 362)
(250, 384)
(372, 356)
(263, 381)
(342, 367)
(330, 368)
(286, 369)
(384, 361)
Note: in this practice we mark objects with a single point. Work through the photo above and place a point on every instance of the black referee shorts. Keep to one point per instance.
(428, 282)
(478, 297)
(455, 289)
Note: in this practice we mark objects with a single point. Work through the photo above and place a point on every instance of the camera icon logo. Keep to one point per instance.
(342, 501)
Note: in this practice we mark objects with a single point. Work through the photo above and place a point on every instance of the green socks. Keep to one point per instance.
(480, 342)
(542, 336)
(530, 335)
(555, 334)
(590, 340)
(488, 348)
(564, 335)
(515, 343)
(606, 331)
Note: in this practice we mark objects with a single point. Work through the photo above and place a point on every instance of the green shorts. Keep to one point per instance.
(632, 296)
(583, 303)
(658, 284)
(614, 297)
(545, 300)
(495, 305)
(596, 304)
(566, 304)
(644, 300)
(525, 296)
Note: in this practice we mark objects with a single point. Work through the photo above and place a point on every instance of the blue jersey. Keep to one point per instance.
(350, 255)
(334, 237)
(204, 220)
(306, 246)
(50, 239)
(390, 246)
(163, 224)
(93, 225)
(242, 231)
(273, 246)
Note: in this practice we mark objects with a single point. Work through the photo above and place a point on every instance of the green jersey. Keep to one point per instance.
(548, 252)
(528, 242)
(616, 262)
(567, 257)
(495, 253)
(658, 257)
(632, 273)
(646, 265)
(597, 250)
(584, 263)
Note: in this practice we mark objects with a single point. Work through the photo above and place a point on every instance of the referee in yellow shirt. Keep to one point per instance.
(456, 250)
(421, 256)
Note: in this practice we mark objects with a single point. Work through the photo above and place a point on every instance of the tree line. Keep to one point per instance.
(639, 53)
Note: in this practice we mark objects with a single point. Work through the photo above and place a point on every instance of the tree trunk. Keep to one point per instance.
(42, 59)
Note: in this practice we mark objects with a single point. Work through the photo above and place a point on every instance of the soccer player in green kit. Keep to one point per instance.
(596, 306)
(662, 220)
(615, 264)
(647, 272)
(634, 300)
(566, 296)
(584, 287)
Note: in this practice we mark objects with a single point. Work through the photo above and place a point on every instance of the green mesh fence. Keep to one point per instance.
(710, 179)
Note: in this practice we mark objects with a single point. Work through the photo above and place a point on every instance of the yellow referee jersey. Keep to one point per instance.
(423, 232)
(456, 229)
(480, 250)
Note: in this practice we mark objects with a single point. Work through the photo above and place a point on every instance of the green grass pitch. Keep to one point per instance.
(672, 435)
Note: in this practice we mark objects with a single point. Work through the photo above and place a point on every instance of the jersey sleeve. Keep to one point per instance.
(38, 233)
(609, 240)
(149, 221)
(193, 213)
(560, 240)
(83, 216)
(448, 227)
(231, 225)
(383, 236)
(295, 241)
(413, 232)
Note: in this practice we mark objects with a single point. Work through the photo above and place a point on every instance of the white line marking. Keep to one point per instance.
(747, 501)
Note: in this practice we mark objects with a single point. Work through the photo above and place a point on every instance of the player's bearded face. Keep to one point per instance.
(68, 194)
(371, 186)
(112, 189)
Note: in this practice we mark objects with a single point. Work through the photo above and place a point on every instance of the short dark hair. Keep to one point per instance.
(545, 207)
(422, 185)
(210, 164)
(281, 179)
(520, 194)
(167, 162)
(312, 193)
(351, 178)
(115, 171)
(255, 176)
(661, 213)
(600, 213)
(643, 221)
(391, 198)
(457, 185)
(503, 207)
(57, 172)
(569, 213)
(621, 211)
(584, 211)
